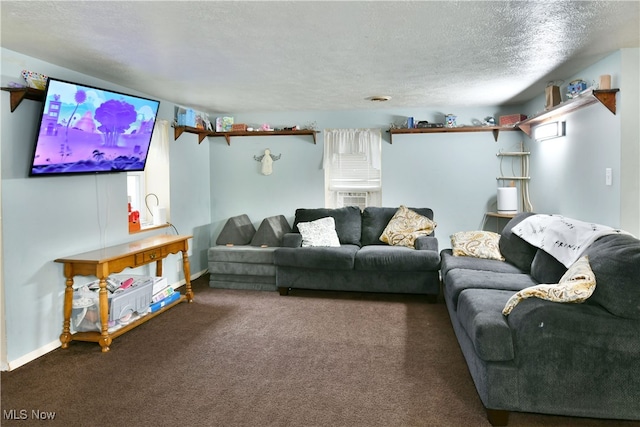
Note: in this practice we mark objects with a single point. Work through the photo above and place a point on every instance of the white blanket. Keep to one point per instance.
(563, 238)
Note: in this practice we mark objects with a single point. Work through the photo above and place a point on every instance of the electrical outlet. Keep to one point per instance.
(189, 252)
(179, 265)
(608, 178)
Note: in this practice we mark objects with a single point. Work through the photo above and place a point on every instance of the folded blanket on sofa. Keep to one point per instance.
(563, 238)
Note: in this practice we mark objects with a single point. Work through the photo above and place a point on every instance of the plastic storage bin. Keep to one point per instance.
(123, 304)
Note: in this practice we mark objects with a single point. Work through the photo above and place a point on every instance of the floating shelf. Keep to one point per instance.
(606, 97)
(18, 94)
(500, 215)
(202, 134)
(494, 129)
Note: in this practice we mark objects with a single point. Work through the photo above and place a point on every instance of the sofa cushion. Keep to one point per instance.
(480, 314)
(251, 254)
(339, 258)
(396, 258)
(271, 231)
(458, 280)
(348, 221)
(615, 261)
(375, 220)
(321, 232)
(241, 269)
(450, 262)
(478, 244)
(546, 269)
(575, 286)
(238, 230)
(405, 227)
(513, 248)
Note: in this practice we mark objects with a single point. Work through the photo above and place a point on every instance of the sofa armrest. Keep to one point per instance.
(292, 240)
(429, 243)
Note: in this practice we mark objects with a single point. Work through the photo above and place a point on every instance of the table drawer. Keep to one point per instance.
(149, 256)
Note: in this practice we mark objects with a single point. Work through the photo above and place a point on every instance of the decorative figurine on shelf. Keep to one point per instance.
(450, 120)
(267, 160)
(575, 88)
(489, 121)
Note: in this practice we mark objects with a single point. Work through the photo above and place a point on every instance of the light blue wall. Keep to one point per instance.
(454, 173)
(48, 218)
(569, 173)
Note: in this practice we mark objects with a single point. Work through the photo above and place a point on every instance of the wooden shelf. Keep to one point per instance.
(494, 129)
(605, 97)
(202, 134)
(95, 336)
(18, 94)
(500, 215)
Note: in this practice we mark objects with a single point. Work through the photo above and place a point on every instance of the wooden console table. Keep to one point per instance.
(103, 262)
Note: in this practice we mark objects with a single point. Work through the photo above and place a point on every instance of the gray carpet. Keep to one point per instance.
(254, 358)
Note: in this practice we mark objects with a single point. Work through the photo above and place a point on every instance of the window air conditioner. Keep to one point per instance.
(351, 198)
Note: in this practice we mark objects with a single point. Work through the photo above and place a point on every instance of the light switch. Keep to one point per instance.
(608, 176)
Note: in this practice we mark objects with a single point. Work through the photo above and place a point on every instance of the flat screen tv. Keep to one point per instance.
(84, 129)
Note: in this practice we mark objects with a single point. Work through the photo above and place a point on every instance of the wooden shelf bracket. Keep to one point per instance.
(16, 95)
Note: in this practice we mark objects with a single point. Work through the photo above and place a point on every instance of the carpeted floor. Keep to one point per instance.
(251, 358)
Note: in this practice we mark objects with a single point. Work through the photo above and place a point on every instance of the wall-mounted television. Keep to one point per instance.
(84, 129)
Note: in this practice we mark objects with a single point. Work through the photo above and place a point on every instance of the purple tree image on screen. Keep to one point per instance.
(87, 130)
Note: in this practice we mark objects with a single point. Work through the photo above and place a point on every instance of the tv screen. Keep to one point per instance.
(84, 129)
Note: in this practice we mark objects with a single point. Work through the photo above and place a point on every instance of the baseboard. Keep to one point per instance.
(23, 360)
(14, 364)
(194, 276)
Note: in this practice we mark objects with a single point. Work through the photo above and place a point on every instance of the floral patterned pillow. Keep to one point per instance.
(576, 285)
(478, 244)
(405, 227)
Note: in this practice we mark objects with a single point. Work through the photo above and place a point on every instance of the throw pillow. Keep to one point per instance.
(576, 285)
(405, 227)
(478, 244)
(321, 232)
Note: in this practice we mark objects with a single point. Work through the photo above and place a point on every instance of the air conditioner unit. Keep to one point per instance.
(353, 198)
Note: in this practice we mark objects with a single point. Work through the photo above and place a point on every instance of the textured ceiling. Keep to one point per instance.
(285, 56)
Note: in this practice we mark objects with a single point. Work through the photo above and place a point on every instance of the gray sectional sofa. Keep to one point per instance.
(362, 262)
(549, 357)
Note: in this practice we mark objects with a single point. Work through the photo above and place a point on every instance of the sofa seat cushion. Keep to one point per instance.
(460, 279)
(396, 258)
(480, 314)
(330, 258)
(242, 254)
(451, 262)
(242, 268)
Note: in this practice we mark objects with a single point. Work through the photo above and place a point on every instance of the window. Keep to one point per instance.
(352, 167)
(150, 188)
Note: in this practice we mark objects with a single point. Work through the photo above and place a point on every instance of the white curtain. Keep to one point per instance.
(156, 172)
(352, 167)
(367, 142)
